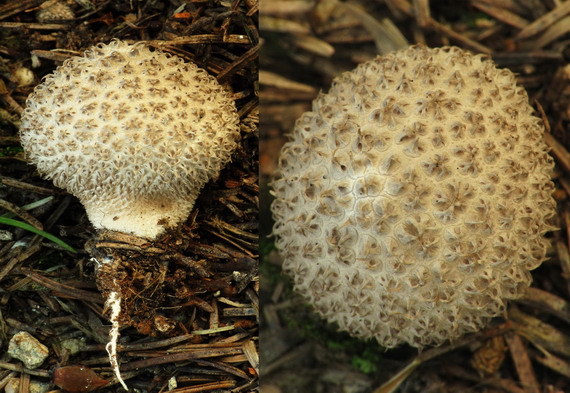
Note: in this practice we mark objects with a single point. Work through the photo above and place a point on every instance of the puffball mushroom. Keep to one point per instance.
(412, 200)
(134, 133)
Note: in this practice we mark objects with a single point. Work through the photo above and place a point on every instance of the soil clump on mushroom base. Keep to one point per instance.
(150, 276)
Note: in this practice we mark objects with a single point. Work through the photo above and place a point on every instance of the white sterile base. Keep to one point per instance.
(143, 219)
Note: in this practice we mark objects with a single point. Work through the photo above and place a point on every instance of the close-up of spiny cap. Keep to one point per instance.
(412, 201)
(133, 132)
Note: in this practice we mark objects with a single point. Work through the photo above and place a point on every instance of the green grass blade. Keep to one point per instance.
(28, 227)
(30, 206)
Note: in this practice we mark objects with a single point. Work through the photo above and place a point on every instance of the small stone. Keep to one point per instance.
(172, 383)
(23, 346)
(6, 236)
(23, 76)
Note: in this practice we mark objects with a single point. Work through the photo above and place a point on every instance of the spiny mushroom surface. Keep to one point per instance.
(134, 133)
(411, 202)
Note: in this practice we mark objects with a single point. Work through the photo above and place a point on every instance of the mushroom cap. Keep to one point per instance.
(411, 202)
(134, 133)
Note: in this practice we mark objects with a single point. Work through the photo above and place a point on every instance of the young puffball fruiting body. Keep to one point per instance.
(412, 201)
(134, 133)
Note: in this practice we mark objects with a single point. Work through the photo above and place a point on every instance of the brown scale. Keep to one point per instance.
(488, 359)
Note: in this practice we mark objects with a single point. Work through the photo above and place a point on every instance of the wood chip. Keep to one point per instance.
(559, 151)
(271, 79)
(523, 364)
(64, 290)
(561, 366)
(203, 39)
(156, 358)
(545, 21)
(539, 333)
(502, 14)
(545, 301)
(285, 7)
(422, 12)
(270, 23)
(22, 369)
(313, 44)
(251, 354)
(553, 32)
(14, 7)
(468, 42)
(403, 6)
(34, 26)
(512, 5)
(24, 215)
(55, 55)
(386, 35)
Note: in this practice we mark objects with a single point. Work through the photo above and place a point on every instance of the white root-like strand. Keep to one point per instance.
(114, 303)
